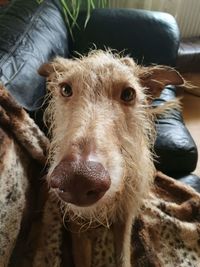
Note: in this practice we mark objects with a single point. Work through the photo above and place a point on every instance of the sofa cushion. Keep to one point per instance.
(149, 37)
(192, 180)
(30, 34)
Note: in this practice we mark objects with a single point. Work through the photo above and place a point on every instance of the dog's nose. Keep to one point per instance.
(81, 183)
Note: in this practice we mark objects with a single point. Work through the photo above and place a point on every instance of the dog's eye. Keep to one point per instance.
(66, 90)
(128, 94)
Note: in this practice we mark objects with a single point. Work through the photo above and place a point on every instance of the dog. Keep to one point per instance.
(102, 136)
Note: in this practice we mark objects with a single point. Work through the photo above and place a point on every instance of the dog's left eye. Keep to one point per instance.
(66, 90)
(128, 94)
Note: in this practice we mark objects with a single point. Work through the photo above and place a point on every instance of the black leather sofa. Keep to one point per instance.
(32, 33)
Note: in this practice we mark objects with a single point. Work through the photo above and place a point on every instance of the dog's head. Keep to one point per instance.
(101, 132)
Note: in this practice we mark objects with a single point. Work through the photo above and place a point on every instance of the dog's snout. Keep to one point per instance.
(81, 183)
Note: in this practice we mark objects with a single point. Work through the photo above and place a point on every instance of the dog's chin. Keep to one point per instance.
(100, 213)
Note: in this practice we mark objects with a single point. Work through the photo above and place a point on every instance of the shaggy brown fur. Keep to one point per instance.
(119, 133)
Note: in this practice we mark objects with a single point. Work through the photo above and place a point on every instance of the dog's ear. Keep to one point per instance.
(46, 69)
(58, 65)
(155, 78)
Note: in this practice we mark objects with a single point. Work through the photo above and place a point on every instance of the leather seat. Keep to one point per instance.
(27, 39)
(189, 55)
(192, 180)
(175, 147)
(149, 37)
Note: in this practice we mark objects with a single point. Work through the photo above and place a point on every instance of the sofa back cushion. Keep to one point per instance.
(149, 37)
(30, 34)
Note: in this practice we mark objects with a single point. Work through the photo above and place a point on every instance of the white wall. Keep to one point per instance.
(186, 12)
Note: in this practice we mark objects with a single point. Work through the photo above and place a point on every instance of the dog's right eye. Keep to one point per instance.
(66, 90)
(128, 94)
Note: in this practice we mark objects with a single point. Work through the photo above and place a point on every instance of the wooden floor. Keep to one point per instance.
(191, 113)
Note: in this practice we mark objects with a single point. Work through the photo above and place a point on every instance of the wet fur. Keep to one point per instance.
(121, 134)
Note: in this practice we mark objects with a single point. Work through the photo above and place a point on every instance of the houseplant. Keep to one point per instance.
(71, 9)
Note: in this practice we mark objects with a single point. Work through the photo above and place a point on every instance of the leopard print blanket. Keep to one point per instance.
(166, 232)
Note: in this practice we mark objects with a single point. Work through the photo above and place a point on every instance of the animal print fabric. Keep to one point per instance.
(166, 232)
(22, 150)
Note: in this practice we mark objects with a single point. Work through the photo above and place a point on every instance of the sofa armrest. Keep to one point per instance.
(189, 55)
(174, 146)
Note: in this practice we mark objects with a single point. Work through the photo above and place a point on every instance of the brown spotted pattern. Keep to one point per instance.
(22, 149)
(165, 234)
(13, 185)
(103, 248)
(48, 251)
(167, 231)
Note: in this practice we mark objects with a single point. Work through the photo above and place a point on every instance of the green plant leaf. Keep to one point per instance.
(71, 10)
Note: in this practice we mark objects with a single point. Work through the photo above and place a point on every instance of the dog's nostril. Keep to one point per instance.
(91, 193)
(55, 182)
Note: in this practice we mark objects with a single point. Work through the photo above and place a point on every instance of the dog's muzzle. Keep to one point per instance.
(81, 183)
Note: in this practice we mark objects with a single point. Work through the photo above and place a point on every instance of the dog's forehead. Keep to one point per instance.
(103, 66)
(102, 61)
